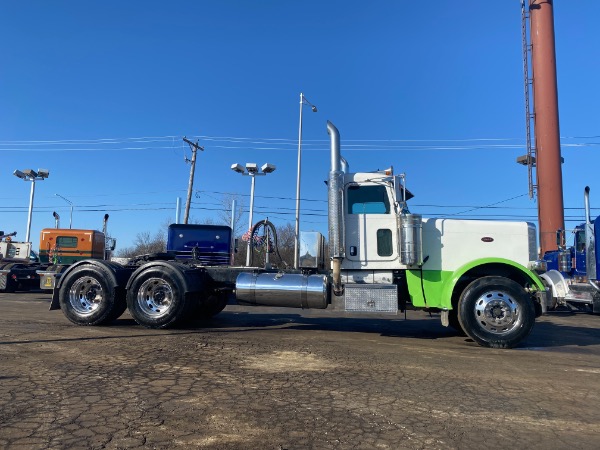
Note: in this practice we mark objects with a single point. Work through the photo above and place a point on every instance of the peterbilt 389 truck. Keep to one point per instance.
(479, 275)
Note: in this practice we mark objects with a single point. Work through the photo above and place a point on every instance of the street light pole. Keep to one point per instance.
(252, 175)
(30, 213)
(251, 170)
(303, 102)
(71, 214)
(31, 175)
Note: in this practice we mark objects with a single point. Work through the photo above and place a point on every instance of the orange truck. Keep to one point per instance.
(21, 269)
(60, 246)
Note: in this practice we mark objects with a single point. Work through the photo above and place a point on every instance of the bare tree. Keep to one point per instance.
(222, 215)
(286, 235)
(145, 243)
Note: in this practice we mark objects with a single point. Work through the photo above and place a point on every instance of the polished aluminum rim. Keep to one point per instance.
(155, 297)
(86, 295)
(497, 312)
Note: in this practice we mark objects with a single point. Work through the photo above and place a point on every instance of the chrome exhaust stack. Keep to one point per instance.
(56, 219)
(104, 224)
(590, 239)
(335, 214)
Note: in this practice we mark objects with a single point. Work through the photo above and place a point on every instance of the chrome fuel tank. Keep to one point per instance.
(277, 289)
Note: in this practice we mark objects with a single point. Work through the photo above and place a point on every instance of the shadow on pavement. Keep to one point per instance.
(545, 335)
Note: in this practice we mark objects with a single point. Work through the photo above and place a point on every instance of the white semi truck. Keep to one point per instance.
(479, 275)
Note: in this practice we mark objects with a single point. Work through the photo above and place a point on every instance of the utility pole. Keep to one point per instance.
(194, 147)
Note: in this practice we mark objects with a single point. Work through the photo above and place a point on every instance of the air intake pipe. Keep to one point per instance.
(335, 209)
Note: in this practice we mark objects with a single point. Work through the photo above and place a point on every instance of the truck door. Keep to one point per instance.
(370, 221)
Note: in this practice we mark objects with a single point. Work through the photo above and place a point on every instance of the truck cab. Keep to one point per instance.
(573, 270)
(372, 211)
(66, 246)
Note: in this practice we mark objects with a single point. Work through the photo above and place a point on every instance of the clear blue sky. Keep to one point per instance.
(433, 88)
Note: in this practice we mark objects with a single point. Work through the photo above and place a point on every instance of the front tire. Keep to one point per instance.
(88, 296)
(496, 312)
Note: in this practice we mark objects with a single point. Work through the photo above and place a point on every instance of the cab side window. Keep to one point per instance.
(368, 200)
(66, 241)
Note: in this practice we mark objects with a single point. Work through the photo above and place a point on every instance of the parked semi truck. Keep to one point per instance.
(479, 275)
(23, 269)
(574, 271)
(17, 264)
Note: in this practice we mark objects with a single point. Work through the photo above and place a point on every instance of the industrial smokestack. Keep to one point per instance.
(547, 133)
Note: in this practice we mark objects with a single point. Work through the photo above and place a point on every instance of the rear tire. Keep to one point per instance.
(156, 298)
(88, 296)
(496, 312)
(211, 306)
(11, 285)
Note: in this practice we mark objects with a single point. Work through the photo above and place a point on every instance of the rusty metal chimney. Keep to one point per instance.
(547, 133)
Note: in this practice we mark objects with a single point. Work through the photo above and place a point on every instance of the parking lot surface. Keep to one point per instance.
(267, 378)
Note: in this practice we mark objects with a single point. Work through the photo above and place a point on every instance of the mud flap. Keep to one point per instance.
(445, 317)
(55, 304)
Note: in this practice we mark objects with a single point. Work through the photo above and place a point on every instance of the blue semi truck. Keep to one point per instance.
(574, 271)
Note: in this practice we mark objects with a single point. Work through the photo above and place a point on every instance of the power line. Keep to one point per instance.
(278, 144)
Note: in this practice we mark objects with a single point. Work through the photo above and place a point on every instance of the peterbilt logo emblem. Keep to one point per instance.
(487, 239)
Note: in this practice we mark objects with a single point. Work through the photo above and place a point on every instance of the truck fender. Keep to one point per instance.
(479, 265)
(109, 266)
(191, 278)
(557, 283)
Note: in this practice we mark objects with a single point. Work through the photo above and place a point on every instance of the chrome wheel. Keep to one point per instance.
(86, 295)
(155, 297)
(497, 312)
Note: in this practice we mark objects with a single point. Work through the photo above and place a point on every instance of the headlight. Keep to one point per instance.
(538, 266)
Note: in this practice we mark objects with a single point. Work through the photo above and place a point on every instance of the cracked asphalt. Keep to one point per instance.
(267, 378)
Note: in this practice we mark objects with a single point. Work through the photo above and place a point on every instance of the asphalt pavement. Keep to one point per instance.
(271, 378)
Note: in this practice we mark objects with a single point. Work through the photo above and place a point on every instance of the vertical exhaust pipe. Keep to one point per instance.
(104, 224)
(335, 212)
(108, 247)
(590, 239)
(56, 219)
(586, 201)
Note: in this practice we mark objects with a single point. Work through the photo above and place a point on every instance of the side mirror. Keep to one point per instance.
(559, 234)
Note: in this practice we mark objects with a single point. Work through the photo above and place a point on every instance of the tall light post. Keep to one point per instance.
(303, 102)
(71, 205)
(33, 176)
(251, 170)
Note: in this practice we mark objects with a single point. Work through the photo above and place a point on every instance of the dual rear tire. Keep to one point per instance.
(158, 296)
